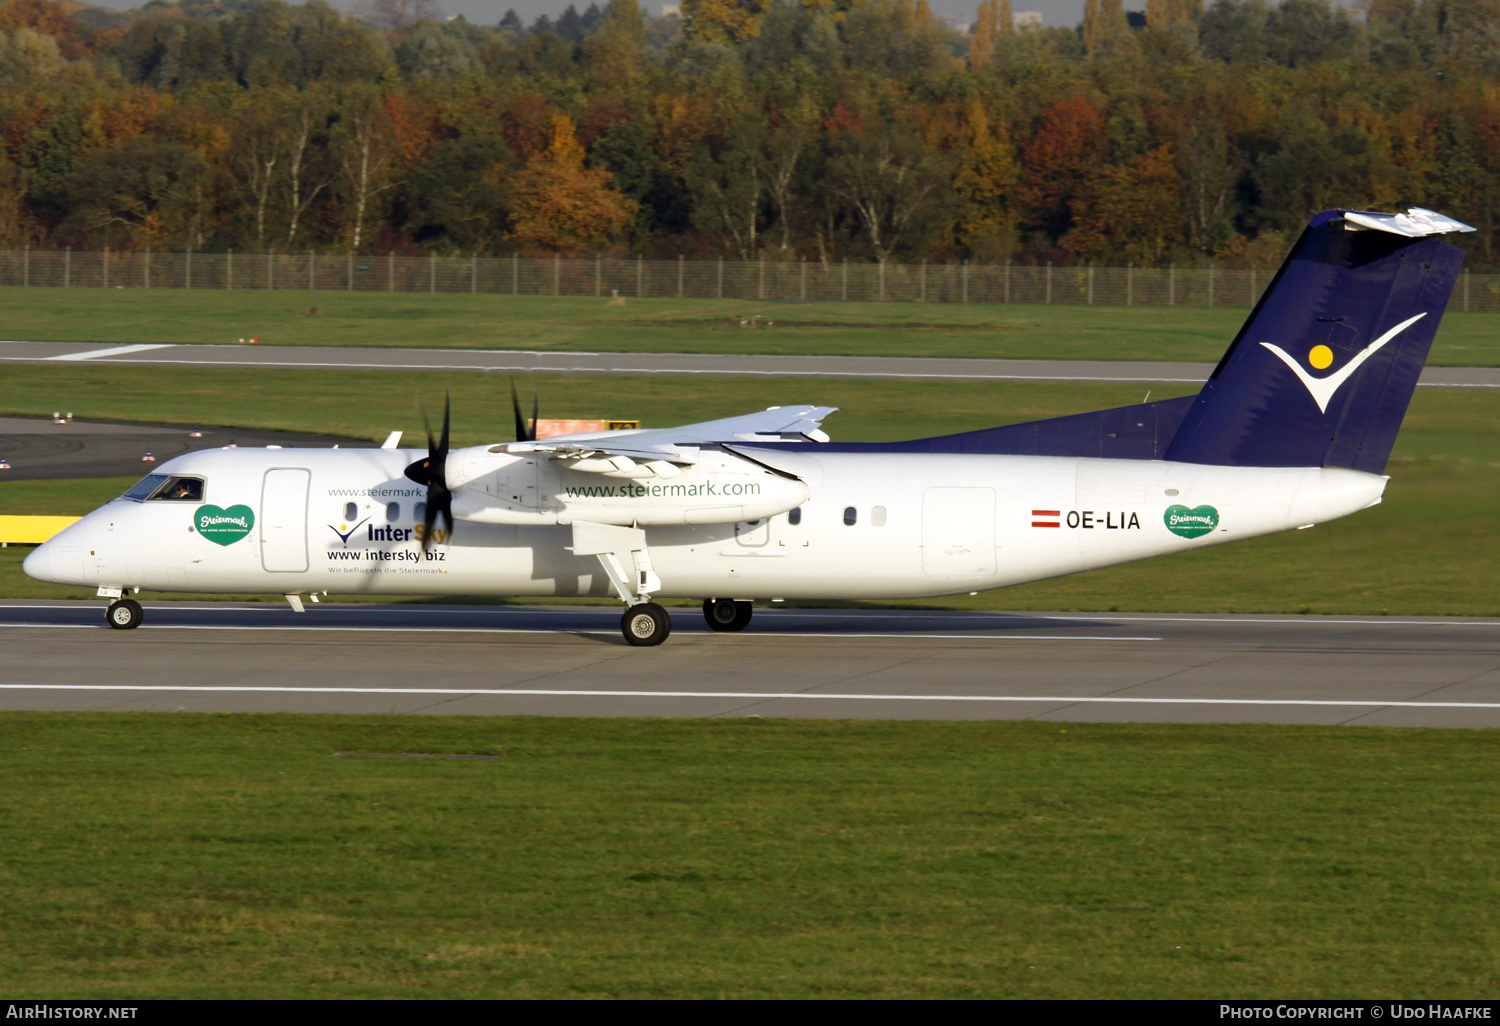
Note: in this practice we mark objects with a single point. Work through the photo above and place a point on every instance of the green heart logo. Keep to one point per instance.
(224, 526)
(1191, 523)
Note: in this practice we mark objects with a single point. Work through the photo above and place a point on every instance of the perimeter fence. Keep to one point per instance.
(767, 280)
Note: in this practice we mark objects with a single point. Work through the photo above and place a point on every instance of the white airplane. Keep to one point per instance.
(1293, 429)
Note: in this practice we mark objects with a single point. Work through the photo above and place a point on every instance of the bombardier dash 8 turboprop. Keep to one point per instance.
(1293, 428)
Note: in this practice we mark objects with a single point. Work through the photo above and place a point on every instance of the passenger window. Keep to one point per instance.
(794, 517)
(351, 510)
(850, 516)
(392, 512)
(180, 489)
(877, 516)
(145, 487)
(419, 512)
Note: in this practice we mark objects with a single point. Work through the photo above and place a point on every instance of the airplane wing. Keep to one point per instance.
(658, 452)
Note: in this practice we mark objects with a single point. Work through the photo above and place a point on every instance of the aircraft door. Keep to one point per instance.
(283, 520)
(753, 534)
(958, 532)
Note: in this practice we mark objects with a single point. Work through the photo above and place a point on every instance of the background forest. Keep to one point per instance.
(819, 129)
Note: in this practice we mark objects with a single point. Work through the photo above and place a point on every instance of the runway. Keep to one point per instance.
(861, 664)
(676, 364)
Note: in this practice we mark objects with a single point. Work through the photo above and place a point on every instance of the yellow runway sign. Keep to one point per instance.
(31, 530)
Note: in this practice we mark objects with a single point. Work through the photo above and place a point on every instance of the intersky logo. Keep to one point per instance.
(1322, 389)
(344, 535)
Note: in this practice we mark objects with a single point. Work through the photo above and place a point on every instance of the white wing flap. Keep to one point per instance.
(658, 452)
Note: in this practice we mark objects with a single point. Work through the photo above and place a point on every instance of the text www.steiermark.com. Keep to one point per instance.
(658, 491)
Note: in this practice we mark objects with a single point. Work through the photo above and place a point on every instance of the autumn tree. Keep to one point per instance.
(1068, 144)
(986, 183)
(1105, 29)
(992, 21)
(724, 21)
(561, 205)
(47, 18)
(1128, 211)
(1162, 14)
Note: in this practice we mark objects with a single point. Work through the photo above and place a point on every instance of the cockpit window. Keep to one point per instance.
(161, 488)
(145, 487)
(180, 489)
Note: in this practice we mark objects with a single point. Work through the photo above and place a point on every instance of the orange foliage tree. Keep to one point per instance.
(1129, 211)
(1067, 146)
(47, 17)
(560, 204)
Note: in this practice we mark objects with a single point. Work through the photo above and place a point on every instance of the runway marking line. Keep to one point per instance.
(539, 630)
(94, 354)
(763, 695)
(796, 371)
(1288, 619)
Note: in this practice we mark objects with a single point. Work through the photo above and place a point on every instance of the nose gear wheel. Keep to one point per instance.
(124, 615)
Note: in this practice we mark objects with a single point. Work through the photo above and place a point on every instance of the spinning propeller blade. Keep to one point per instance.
(433, 472)
(523, 433)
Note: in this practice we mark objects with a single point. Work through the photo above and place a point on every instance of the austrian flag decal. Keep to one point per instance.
(1046, 518)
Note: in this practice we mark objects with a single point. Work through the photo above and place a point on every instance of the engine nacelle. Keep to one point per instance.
(534, 488)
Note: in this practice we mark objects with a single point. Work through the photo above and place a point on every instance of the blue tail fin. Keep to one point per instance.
(1323, 370)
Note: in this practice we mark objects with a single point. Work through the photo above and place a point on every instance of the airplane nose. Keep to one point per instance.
(39, 564)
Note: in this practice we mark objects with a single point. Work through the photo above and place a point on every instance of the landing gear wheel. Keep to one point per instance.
(727, 614)
(646, 624)
(124, 615)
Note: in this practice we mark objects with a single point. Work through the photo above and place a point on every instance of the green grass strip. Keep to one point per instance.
(175, 855)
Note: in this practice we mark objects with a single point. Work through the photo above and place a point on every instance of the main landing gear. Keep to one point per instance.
(646, 624)
(124, 614)
(726, 614)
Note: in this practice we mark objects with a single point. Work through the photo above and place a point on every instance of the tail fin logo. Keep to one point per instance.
(1323, 390)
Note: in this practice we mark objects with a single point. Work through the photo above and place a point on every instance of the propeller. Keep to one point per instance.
(433, 472)
(523, 433)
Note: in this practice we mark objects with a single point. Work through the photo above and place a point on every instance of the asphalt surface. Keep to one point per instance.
(862, 664)
(39, 449)
(522, 361)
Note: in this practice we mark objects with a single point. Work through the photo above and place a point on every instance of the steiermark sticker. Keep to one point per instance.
(1191, 523)
(224, 526)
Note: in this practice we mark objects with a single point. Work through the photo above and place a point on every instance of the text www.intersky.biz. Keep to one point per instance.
(388, 555)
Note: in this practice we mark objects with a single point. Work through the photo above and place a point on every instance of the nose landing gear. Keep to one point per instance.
(727, 614)
(124, 614)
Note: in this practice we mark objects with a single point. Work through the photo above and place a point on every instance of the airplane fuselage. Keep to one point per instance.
(871, 526)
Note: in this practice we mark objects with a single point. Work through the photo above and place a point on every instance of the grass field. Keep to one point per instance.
(1426, 550)
(175, 855)
(660, 325)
